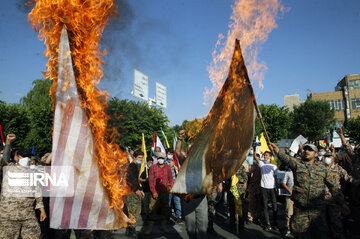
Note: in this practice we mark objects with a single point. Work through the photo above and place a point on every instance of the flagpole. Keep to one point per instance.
(262, 122)
(259, 114)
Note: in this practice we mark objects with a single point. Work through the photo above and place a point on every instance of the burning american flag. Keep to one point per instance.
(73, 144)
(72, 30)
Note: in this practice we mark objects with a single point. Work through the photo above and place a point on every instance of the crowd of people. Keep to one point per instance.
(320, 186)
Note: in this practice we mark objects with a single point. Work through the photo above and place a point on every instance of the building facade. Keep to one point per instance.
(345, 100)
(292, 100)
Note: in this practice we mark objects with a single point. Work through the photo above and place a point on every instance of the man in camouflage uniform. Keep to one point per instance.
(310, 178)
(333, 210)
(241, 188)
(17, 202)
(351, 162)
(254, 196)
(211, 198)
(349, 157)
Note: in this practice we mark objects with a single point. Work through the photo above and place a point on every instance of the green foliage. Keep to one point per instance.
(31, 120)
(14, 120)
(37, 102)
(132, 118)
(277, 121)
(38, 95)
(312, 119)
(169, 132)
(352, 129)
(176, 128)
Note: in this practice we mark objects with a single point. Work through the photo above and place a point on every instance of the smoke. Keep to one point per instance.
(119, 41)
(131, 39)
(127, 41)
(25, 6)
(251, 23)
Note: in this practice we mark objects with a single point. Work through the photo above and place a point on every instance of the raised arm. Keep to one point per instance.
(332, 149)
(7, 149)
(346, 145)
(255, 156)
(178, 152)
(340, 132)
(284, 158)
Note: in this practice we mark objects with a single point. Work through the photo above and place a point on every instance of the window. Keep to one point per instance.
(337, 105)
(354, 84)
(355, 103)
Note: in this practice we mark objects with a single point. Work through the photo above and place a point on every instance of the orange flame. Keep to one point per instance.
(251, 23)
(85, 22)
(193, 127)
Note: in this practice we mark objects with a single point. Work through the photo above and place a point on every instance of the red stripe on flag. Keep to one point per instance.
(63, 137)
(64, 132)
(89, 195)
(2, 136)
(104, 210)
(78, 159)
(153, 142)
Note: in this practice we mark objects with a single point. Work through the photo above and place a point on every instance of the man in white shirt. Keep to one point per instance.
(268, 185)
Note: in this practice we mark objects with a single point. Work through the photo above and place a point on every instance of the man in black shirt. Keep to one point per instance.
(133, 200)
(144, 180)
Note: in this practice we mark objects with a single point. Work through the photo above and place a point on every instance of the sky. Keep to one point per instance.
(316, 43)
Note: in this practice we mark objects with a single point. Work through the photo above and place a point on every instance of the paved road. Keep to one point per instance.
(177, 231)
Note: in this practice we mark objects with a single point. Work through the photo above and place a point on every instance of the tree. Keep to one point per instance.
(352, 128)
(38, 105)
(169, 132)
(176, 128)
(277, 121)
(38, 95)
(312, 119)
(128, 119)
(15, 120)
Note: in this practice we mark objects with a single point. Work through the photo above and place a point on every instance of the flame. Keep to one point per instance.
(251, 23)
(193, 127)
(85, 22)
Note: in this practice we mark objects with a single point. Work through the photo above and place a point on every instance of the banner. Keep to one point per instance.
(143, 149)
(264, 147)
(166, 141)
(160, 145)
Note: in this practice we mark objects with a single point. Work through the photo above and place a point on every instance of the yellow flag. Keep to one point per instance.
(143, 149)
(235, 192)
(264, 147)
(234, 180)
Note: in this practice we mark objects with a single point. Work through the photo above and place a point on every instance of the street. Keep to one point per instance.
(221, 227)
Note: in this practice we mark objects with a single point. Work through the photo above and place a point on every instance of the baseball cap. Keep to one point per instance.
(329, 154)
(311, 146)
(161, 155)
